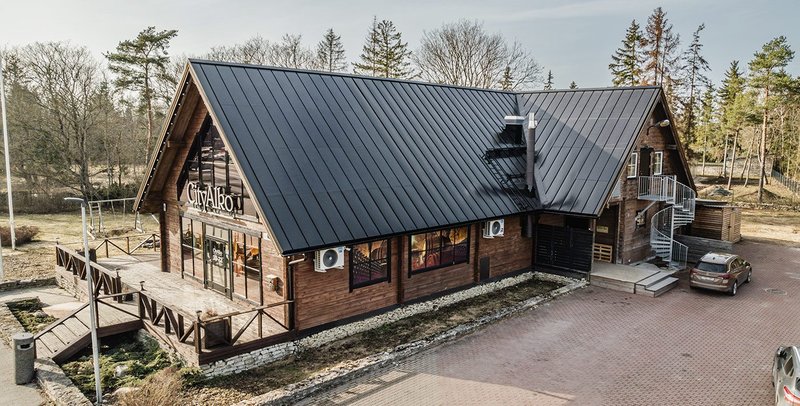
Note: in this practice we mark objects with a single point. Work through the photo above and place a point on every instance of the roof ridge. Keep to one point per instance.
(349, 75)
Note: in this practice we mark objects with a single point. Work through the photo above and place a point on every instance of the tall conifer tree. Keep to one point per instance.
(768, 74)
(548, 85)
(139, 64)
(330, 53)
(626, 63)
(696, 65)
(384, 53)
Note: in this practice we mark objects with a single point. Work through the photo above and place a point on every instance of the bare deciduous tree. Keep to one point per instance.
(463, 53)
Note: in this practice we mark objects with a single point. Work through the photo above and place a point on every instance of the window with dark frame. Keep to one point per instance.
(438, 249)
(369, 263)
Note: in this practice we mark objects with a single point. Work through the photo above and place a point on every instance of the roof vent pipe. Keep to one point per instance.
(530, 152)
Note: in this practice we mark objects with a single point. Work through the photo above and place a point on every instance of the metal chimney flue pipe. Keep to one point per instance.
(530, 152)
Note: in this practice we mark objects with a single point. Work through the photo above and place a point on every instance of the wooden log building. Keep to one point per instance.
(352, 195)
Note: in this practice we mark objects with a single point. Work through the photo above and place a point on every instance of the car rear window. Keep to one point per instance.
(709, 267)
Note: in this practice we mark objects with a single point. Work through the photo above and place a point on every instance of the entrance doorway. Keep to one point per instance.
(217, 260)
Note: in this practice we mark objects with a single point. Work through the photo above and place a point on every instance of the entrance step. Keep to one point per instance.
(656, 285)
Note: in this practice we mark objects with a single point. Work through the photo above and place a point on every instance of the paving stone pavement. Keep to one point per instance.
(602, 347)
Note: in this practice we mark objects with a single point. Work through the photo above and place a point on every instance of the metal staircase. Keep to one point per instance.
(681, 211)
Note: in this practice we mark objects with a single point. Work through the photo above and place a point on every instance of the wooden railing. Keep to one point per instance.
(103, 279)
(213, 337)
(122, 245)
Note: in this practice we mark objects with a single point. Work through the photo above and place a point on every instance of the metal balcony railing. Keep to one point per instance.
(682, 200)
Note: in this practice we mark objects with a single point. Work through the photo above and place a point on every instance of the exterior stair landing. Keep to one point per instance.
(641, 280)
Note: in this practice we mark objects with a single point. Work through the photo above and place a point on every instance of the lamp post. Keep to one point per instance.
(92, 309)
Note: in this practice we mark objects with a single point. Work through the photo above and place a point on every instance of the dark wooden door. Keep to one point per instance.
(564, 247)
(644, 161)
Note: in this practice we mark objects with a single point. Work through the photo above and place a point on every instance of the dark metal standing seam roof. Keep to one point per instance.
(582, 140)
(336, 159)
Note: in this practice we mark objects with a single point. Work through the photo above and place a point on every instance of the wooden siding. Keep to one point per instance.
(322, 298)
(509, 253)
(717, 222)
(633, 243)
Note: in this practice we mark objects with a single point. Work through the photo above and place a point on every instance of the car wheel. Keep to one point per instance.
(749, 276)
(734, 289)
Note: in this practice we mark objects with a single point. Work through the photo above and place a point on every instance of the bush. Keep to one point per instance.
(161, 388)
(24, 234)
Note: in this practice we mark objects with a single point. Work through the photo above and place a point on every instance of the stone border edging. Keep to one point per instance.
(27, 283)
(336, 376)
(263, 356)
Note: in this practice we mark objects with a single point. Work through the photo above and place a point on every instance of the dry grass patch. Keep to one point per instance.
(234, 388)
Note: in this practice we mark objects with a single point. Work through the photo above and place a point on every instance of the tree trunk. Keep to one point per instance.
(733, 159)
(763, 172)
(725, 159)
(149, 103)
(748, 159)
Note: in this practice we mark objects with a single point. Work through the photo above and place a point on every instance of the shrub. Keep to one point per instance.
(161, 388)
(24, 234)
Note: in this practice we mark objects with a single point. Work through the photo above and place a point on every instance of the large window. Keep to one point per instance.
(209, 175)
(192, 248)
(658, 163)
(439, 249)
(369, 263)
(246, 266)
(633, 165)
(224, 260)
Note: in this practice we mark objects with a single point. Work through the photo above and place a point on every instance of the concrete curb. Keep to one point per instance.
(349, 371)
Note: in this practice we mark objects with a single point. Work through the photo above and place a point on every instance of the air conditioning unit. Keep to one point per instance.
(329, 258)
(494, 228)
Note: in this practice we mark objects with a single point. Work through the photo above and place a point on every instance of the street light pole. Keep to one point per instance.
(92, 303)
(8, 160)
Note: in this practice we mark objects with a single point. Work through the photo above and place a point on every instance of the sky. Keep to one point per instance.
(573, 38)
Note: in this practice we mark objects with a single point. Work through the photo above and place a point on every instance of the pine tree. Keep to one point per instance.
(573, 85)
(626, 63)
(767, 73)
(706, 129)
(384, 53)
(696, 66)
(548, 85)
(330, 53)
(140, 63)
(660, 50)
(732, 84)
(507, 81)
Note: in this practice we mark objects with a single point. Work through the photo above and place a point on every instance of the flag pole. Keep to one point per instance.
(8, 159)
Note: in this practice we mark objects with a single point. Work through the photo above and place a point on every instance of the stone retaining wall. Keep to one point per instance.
(277, 352)
(27, 283)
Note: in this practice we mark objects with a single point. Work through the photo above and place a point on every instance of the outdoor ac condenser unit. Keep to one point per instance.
(494, 228)
(329, 258)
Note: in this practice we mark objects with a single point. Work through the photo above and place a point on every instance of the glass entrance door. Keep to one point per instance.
(217, 259)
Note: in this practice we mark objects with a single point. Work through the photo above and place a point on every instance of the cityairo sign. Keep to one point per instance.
(215, 199)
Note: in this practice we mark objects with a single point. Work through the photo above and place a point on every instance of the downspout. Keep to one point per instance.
(290, 293)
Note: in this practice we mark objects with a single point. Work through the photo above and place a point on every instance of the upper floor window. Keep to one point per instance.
(369, 263)
(209, 180)
(439, 248)
(658, 163)
(633, 165)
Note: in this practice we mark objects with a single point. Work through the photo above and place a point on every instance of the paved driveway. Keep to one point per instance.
(602, 347)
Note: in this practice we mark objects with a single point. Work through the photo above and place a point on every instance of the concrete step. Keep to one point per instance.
(656, 285)
(613, 284)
